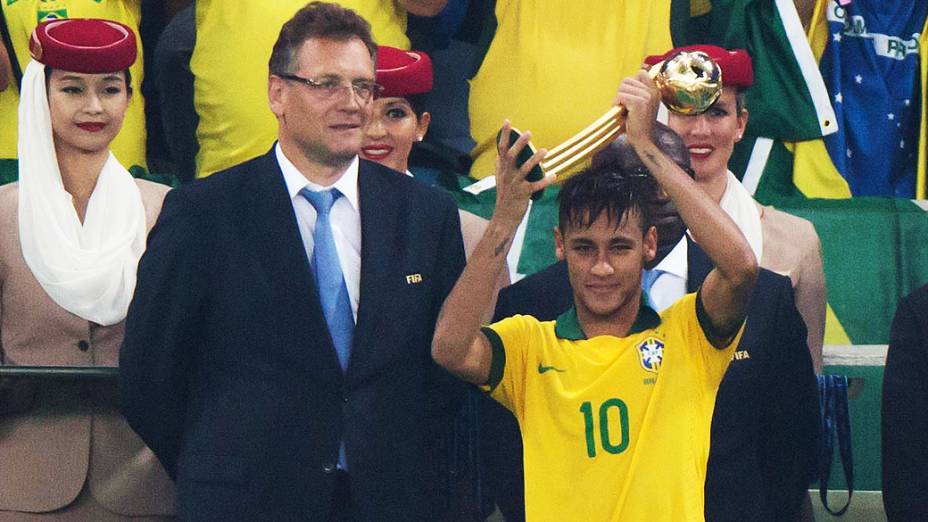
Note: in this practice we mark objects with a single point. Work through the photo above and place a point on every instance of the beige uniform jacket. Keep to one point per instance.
(58, 437)
(792, 248)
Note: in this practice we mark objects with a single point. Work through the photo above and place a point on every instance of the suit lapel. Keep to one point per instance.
(698, 265)
(272, 230)
(380, 209)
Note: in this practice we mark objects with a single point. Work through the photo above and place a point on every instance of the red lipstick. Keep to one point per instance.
(92, 126)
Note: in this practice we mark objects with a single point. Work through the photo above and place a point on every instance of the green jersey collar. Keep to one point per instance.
(567, 325)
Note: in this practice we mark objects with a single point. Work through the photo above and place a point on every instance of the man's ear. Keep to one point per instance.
(650, 244)
(276, 94)
(558, 244)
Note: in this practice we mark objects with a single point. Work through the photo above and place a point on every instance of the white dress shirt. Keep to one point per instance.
(345, 219)
(670, 285)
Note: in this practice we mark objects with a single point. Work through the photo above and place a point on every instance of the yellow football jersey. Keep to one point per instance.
(614, 429)
(21, 18)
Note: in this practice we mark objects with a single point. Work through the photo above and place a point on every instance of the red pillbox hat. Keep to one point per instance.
(403, 73)
(84, 45)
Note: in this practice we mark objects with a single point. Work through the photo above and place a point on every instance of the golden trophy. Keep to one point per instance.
(689, 83)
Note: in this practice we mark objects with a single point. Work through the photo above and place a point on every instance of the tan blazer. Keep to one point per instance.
(792, 248)
(472, 228)
(68, 435)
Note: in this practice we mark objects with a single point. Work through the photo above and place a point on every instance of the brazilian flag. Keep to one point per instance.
(870, 251)
(808, 77)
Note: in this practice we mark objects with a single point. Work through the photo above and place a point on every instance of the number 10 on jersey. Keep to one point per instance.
(605, 427)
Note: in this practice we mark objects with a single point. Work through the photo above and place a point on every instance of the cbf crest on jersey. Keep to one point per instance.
(651, 353)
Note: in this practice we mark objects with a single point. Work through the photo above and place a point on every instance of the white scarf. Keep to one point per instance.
(89, 269)
(738, 203)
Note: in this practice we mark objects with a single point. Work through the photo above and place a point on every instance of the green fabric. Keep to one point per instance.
(165, 179)
(776, 185)
(538, 248)
(779, 101)
(865, 388)
(497, 360)
(874, 251)
(567, 325)
(8, 171)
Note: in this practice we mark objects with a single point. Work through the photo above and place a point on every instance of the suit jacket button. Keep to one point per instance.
(328, 468)
(345, 399)
(83, 345)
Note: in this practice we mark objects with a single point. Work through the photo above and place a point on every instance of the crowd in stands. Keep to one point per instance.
(263, 357)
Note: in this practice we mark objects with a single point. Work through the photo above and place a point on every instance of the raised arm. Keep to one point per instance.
(458, 344)
(726, 290)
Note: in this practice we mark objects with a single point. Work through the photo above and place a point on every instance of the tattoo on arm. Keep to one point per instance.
(660, 162)
(501, 247)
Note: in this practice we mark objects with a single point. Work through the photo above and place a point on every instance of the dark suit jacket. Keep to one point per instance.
(228, 370)
(765, 429)
(905, 411)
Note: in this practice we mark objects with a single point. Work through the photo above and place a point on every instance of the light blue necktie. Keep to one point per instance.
(648, 277)
(327, 271)
(330, 283)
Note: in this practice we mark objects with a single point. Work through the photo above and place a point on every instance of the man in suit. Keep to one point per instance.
(905, 411)
(765, 427)
(277, 349)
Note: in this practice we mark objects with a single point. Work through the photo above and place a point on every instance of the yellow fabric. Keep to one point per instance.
(21, 18)
(659, 475)
(834, 330)
(229, 64)
(553, 67)
(9, 101)
(818, 33)
(921, 183)
(814, 173)
(700, 7)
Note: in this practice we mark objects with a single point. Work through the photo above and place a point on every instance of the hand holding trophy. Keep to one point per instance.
(689, 83)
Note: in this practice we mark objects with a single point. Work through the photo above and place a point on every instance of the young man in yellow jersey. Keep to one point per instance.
(614, 401)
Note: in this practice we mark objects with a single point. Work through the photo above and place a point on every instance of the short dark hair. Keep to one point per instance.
(126, 74)
(619, 155)
(317, 20)
(597, 190)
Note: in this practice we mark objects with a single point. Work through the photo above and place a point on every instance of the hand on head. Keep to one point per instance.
(513, 190)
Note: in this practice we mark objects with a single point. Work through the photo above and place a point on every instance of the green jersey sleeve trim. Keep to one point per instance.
(498, 359)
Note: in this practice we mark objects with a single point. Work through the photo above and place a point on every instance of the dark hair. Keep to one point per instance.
(620, 156)
(417, 103)
(740, 99)
(317, 20)
(597, 190)
(125, 72)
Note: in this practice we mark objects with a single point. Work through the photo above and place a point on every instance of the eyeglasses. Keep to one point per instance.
(329, 87)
